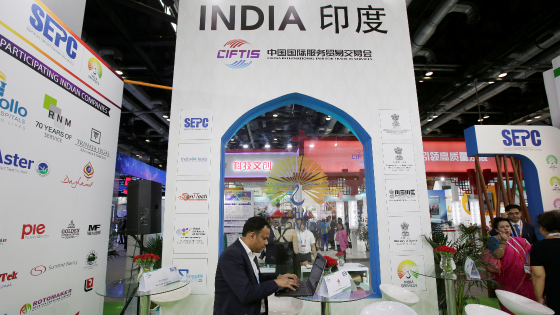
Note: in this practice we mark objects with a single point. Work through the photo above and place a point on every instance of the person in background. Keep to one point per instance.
(240, 288)
(342, 239)
(325, 227)
(332, 231)
(513, 252)
(306, 244)
(545, 256)
(286, 245)
(520, 229)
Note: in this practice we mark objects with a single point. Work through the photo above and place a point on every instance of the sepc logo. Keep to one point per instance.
(196, 123)
(237, 58)
(52, 31)
(521, 137)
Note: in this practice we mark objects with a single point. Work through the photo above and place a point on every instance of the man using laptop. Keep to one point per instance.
(240, 288)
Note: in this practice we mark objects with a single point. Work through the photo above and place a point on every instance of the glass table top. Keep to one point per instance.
(353, 294)
(458, 275)
(127, 288)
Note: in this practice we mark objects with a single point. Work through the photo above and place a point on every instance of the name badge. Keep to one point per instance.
(263, 307)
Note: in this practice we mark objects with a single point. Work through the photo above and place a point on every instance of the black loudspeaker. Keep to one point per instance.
(144, 207)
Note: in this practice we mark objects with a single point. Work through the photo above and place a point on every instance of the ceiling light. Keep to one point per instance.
(537, 117)
(430, 119)
(491, 82)
(289, 146)
(328, 118)
(336, 144)
(480, 119)
(245, 146)
(273, 130)
(529, 120)
(435, 116)
(311, 145)
(421, 81)
(429, 73)
(275, 115)
(275, 139)
(486, 117)
(503, 74)
(267, 145)
(168, 119)
(232, 140)
(148, 140)
(165, 116)
(119, 72)
(160, 165)
(443, 178)
(140, 156)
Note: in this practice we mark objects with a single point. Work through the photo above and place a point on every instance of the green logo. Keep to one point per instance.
(43, 168)
(555, 181)
(551, 159)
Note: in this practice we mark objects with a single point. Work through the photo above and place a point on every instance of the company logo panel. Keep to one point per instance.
(92, 147)
(88, 172)
(12, 113)
(47, 301)
(6, 279)
(54, 130)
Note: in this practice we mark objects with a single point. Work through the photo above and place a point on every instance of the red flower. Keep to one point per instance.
(339, 254)
(331, 261)
(445, 249)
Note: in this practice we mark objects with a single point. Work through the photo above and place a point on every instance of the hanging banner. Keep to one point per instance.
(59, 120)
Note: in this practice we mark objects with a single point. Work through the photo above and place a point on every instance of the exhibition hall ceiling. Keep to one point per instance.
(482, 63)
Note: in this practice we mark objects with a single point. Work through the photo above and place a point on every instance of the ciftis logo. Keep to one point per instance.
(96, 70)
(10, 110)
(238, 54)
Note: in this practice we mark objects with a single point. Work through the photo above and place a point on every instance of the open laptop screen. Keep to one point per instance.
(316, 272)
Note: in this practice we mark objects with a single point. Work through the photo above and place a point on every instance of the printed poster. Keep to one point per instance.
(191, 236)
(398, 158)
(406, 272)
(395, 124)
(405, 233)
(402, 195)
(196, 271)
(193, 159)
(192, 196)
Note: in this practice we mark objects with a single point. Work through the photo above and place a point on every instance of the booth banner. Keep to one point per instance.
(192, 196)
(347, 60)
(405, 233)
(195, 270)
(537, 149)
(402, 195)
(398, 158)
(59, 120)
(196, 124)
(437, 204)
(552, 86)
(191, 236)
(395, 124)
(407, 271)
(193, 159)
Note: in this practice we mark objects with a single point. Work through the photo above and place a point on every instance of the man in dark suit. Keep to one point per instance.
(240, 288)
(520, 229)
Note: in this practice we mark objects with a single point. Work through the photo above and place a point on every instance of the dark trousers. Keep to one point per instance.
(325, 241)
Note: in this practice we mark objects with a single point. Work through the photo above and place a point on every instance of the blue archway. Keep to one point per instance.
(359, 132)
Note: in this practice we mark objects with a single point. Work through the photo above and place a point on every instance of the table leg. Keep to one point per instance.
(145, 305)
(450, 297)
(325, 308)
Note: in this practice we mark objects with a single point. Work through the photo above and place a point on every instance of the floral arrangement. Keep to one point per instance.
(331, 262)
(445, 250)
(339, 254)
(146, 261)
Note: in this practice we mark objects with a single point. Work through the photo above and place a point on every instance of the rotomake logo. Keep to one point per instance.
(57, 297)
(96, 70)
(238, 58)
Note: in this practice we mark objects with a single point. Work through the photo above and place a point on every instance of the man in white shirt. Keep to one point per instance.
(239, 286)
(306, 244)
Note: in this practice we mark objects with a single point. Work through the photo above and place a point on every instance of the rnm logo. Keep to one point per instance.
(521, 137)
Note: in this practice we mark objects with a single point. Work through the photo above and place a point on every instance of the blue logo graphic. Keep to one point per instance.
(521, 137)
(196, 122)
(297, 187)
(50, 28)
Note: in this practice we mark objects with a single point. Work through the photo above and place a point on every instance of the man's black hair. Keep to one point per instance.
(254, 224)
(512, 206)
(550, 221)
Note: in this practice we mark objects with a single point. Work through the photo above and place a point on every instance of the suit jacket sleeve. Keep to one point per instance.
(268, 276)
(237, 279)
(532, 234)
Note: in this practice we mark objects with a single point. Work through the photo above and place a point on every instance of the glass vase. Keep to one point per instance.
(446, 263)
(143, 270)
(326, 271)
(341, 261)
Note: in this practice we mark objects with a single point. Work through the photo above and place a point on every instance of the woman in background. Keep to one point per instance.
(545, 256)
(342, 238)
(513, 252)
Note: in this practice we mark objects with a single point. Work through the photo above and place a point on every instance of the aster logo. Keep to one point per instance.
(96, 71)
(238, 54)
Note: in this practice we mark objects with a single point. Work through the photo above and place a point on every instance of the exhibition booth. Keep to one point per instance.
(279, 110)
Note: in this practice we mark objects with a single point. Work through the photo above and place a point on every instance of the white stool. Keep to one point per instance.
(284, 305)
(477, 309)
(173, 302)
(387, 308)
(520, 305)
(397, 294)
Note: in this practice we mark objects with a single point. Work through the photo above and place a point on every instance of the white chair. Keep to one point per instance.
(477, 309)
(520, 305)
(173, 302)
(387, 308)
(398, 294)
(284, 305)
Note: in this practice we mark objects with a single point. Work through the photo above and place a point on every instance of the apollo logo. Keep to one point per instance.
(236, 57)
